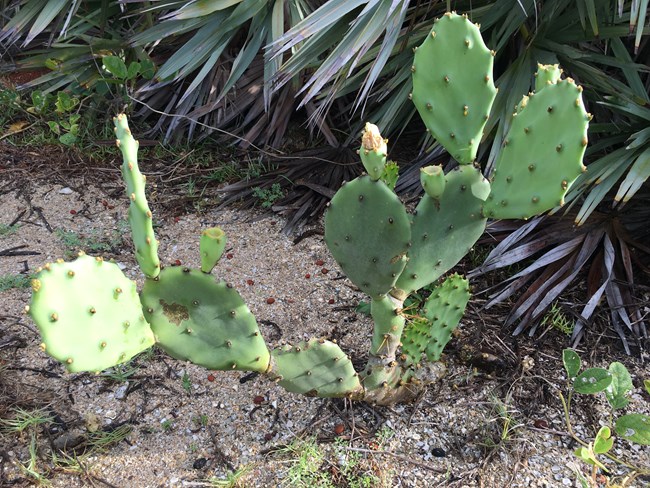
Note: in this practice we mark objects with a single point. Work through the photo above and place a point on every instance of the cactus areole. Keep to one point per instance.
(91, 316)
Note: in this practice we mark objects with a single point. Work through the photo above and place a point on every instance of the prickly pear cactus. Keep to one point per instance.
(542, 153)
(140, 217)
(442, 313)
(89, 314)
(91, 317)
(453, 87)
(316, 368)
(372, 254)
(197, 319)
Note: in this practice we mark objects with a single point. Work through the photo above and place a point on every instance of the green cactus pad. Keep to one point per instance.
(315, 368)
(433, 181)
(547, 74)
(453, 88)
(541, 154)
(389, 324)
(140, 217)
(367, 231)
(373, 151)
(443, 231)
(379, 375)
(89, 314)
(212, 244)
(197, 319)
(442, 312)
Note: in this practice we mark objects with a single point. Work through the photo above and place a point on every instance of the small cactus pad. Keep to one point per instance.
(89, 314)
(373, 151)
(197, 319)
(389, 324)
(367, 230)
(443, 231)
(140, 217)
(212, 244)
(315, 368)
(442, 313)
(547, 74)
(453, 88)
(541, 154)
(433, 181)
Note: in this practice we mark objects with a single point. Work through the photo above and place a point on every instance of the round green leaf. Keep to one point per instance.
(604, 440)
(592, 380)
(115, 66)
(634, 427)
(621, 384)
(571, 362)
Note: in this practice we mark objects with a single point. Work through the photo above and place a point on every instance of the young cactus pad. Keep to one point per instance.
(541, 154)
(212, 244)
(442, 312)
(89, 314)
(373, 151)
(453, 88)
(140, 217)
(316, 368)
(197, 319)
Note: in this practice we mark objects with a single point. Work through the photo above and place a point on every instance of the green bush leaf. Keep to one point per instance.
(65, 103)
(68, 139)
(592, 380)
(54, 127)
(571, 362)
(584, 454)
(646, 385)
(147, 69)
(621, 384)
(132, 72)
(634, 427)
(115, 66)
(604, 440)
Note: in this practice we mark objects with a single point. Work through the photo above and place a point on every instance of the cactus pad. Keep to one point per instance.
(444, 230)
(140, 217)
(389, 324)
(442, 313)
(315, 368)
(541, 154)
(367, 231)
(89, 314)
(453, 88)
(212, 244)
(197, 319)
(373, 151)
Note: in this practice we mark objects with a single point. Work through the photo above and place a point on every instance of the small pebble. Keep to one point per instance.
(270, 300)
(438, 452)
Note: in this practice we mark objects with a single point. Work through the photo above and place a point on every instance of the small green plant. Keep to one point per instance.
(502, 425)
(64, 124)
(7, 230)
(101, 440)
(615, 382)
(186, 382)
(200, 420)
(268, 196)
(24, 419)
(95, 241)
(8, 282)
(305, 464)
(557, 319)
(166, 425)
(232, 479)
